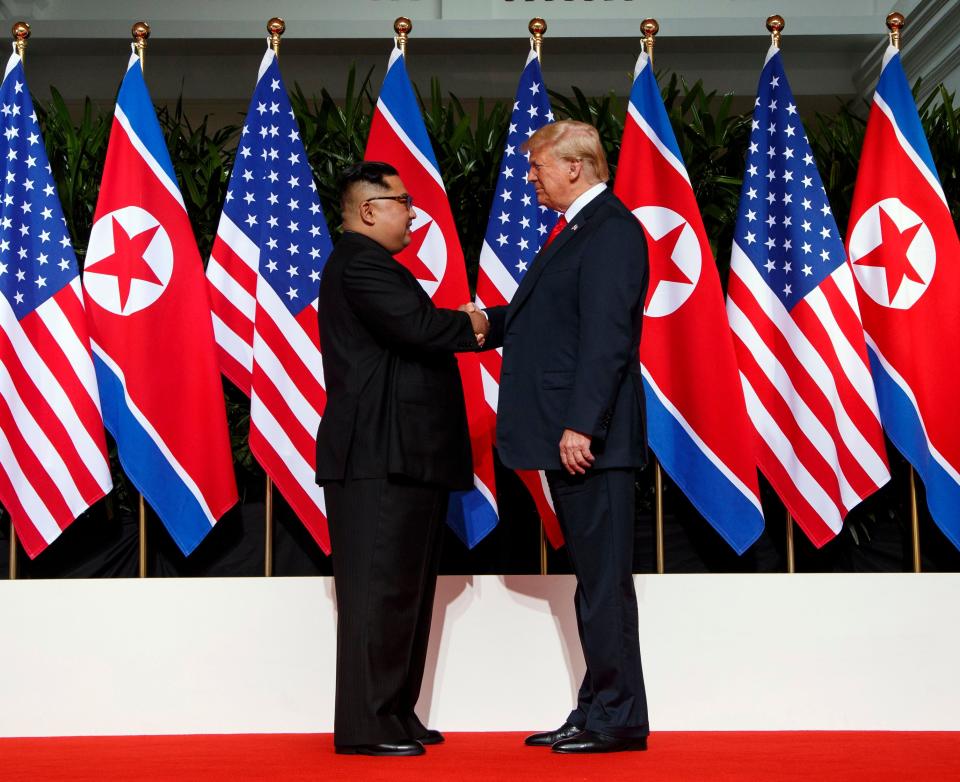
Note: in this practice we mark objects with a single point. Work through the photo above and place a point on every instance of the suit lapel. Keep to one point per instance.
(550, 251)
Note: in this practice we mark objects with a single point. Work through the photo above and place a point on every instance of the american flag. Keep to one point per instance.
(517, 228)
(264, 274)
(53, 461)
(793, 310)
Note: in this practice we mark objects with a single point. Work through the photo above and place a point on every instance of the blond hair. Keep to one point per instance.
(572, 140)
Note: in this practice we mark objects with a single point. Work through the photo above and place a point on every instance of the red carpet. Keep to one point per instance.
(721, 757)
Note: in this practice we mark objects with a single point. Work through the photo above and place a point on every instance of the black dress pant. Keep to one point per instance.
(385, 536)
(596, 513)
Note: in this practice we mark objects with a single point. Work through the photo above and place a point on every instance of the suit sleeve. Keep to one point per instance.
(613, 281)
(497, 317)
(394, 313)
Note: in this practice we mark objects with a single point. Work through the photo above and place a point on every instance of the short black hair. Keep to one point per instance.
(370, 171)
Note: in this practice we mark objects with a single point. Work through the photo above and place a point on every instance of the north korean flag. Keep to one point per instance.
(151, 330)
(905, 254)
(696, 415)
(399, 137)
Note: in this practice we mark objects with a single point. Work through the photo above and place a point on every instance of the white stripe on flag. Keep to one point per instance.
(902, 384)
(276, 436)
(307, 416)
(50, 387)
(152, 433)
(908, 149)
(779, 378)
(811, 360)
(148, 158)
(38, 514)
(414, 150)
(715, 460)
(38, 442)
(782, 448)
(231, 289)
(497, 272)
(232, 343)
(491, 388)
(662, 148)
(291, 329)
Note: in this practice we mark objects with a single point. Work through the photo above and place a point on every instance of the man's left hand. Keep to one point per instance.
(575, 452)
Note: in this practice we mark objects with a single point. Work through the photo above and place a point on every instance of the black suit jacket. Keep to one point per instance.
(571, 339)
(394, 398)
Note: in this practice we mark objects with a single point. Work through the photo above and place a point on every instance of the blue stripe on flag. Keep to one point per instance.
(397, 95)
(730, 512)
(895, 91)
(134, 101)
(902, 424)
(470, 516)
(147, 467)
(645, 97)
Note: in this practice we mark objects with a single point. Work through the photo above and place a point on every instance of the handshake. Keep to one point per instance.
(481, 326)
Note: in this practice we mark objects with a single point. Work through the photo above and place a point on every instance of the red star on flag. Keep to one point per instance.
(127, 263)
(662, 266)
(891, 254)
(412, 254)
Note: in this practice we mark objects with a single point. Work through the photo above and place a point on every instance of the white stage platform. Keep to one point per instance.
(720, 652)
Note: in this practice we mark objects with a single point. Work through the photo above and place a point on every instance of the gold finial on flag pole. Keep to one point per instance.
(775, 25)
(895, 22)
(140, 32)
(649, 28)
(537, 28)
(402, 27)
(20, 32)
(276, 27)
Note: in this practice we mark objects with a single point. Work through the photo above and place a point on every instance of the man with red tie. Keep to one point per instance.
(571, 403)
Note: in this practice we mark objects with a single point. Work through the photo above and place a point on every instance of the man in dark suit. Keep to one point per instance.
(392, 443)
(571, 403)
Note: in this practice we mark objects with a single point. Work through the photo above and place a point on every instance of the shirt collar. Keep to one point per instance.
(583, 199)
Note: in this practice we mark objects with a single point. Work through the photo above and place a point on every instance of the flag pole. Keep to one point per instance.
(537, 27)
(895, 23)
(140, 32)
(650, 28)
(20, 32)
(276, 27)
(775, 25)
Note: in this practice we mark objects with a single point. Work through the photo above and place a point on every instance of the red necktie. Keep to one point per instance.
(561, 224)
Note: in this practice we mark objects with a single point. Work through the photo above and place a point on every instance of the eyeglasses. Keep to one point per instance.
(406, 199)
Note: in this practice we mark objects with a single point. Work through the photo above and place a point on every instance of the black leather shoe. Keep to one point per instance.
(588, 741)
(394, 749)
(548, 739)
(431, 737)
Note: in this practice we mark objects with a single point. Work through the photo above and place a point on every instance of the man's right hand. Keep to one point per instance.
(478, 320)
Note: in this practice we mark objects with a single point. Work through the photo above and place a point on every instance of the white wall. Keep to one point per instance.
(721, 652)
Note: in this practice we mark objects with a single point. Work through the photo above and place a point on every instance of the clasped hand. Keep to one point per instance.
(478, 320)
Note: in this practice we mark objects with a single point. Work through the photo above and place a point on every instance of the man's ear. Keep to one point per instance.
(574, 169)
(365, 210)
